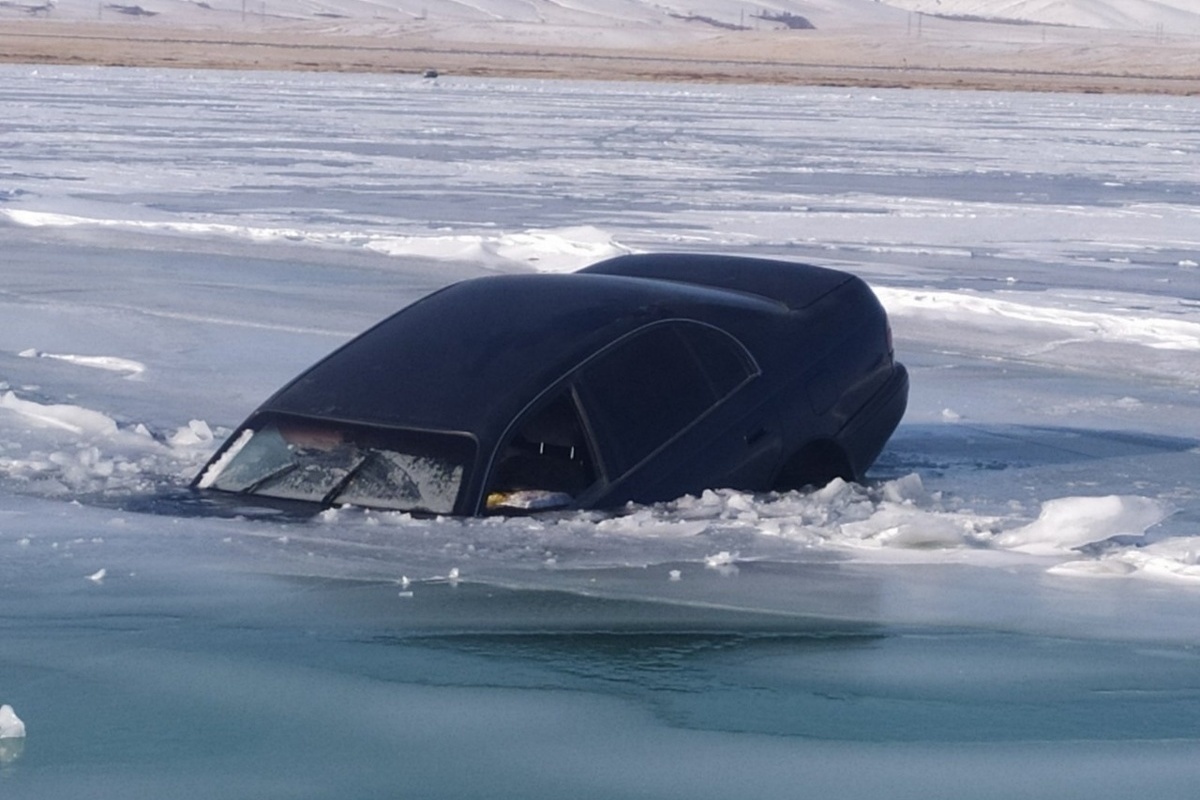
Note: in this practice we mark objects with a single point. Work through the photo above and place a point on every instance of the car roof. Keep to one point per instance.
(471, 356)
(796, 286)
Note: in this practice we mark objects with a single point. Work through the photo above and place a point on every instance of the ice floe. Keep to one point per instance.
(1067, 523)
(11, 726)
(125, 366)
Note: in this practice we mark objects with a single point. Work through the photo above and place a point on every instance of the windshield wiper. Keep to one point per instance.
(270, 476)
(348, 478)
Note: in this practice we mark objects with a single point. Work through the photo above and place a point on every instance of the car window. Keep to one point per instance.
(338, 464)
(723, 359)
(546, 463)
(655, 384)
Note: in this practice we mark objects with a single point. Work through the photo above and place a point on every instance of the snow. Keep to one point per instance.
(547, 250)
(1170, 16)
(616, 17)
(607, 23)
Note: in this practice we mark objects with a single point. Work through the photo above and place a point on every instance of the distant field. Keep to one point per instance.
(945, 54)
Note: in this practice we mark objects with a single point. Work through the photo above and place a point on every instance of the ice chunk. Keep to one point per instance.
(1070, 522)
(11, 726)
(194, 433)
(71, 418)
(721, 559)
(1099, 568)
(129, 367)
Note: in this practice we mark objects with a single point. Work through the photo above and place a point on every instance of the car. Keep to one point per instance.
(641, 378)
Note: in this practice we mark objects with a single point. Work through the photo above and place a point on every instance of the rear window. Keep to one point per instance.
(292, 458)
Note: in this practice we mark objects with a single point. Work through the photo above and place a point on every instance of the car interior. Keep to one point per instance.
(549, 455)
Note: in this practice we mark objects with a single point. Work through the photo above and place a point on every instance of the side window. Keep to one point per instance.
(724, 360)
(547, 456)
(649, 388)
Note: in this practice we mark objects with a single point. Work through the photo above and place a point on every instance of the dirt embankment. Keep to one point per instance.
(943, 55)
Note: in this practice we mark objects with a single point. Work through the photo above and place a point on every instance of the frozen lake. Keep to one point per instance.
(1008, 608)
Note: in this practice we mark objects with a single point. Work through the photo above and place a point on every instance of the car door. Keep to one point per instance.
(668, 414)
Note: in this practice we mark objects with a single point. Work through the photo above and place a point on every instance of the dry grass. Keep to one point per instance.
(944, 55)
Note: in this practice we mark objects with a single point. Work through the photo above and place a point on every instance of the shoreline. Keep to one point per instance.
(1110, 63)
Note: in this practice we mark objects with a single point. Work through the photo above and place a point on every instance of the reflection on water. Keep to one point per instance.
(904, 686)
(10, 751)
(708, 681)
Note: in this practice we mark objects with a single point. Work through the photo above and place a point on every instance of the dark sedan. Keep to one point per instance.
(641, 378)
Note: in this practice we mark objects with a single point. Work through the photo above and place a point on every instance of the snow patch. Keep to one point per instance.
(1007, 310)
(544, 250)
(33, 218)
(1178, 16)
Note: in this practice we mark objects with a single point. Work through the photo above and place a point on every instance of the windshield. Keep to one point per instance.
(338, 464)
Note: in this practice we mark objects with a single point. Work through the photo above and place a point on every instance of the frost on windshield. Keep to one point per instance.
(334, 464)
(405, 481)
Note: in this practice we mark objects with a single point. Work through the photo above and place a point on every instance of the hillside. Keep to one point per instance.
(1083, 45)
(1167, 17)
